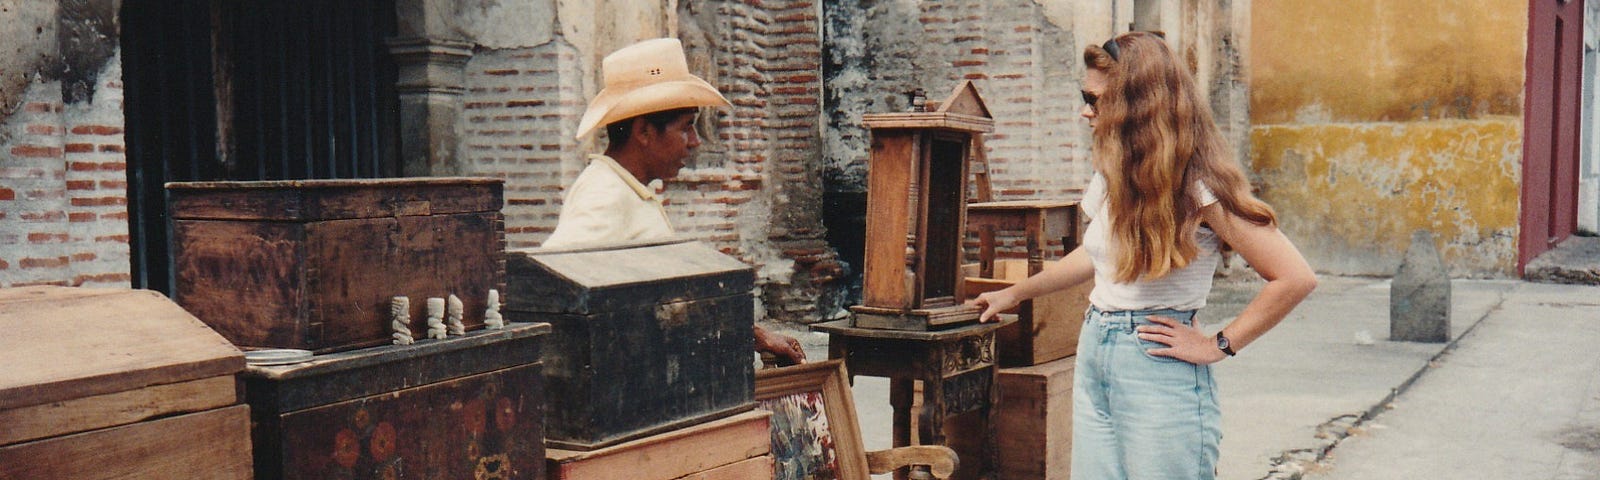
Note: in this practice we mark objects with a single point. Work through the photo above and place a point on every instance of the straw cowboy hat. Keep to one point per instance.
(647, 77)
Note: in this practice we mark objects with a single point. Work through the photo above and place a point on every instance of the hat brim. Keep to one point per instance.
(611, 105)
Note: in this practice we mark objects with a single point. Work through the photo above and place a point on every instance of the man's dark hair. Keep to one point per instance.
(618, 131)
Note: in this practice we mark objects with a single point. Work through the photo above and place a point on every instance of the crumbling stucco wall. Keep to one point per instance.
(63, 214)
(1375, 118)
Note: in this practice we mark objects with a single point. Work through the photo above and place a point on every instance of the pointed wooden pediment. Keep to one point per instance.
(966, 101)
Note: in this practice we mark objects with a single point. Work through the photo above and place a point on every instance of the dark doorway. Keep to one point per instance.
(250, 90)
(1551, 126)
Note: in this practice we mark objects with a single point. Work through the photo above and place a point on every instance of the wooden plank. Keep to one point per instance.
(889, 178)
(213, 444)
(82, 345)
(938, 120)
(669, 455)
(750, 469)
(260, 309)
(112, 409)
(1033, 420)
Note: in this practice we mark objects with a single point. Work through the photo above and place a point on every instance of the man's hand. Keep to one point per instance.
(786, 348)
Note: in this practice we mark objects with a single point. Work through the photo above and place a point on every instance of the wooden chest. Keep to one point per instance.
(733, 448)
(647, 338)
(465, 407)
(116, 384)
(1033, 422)
(313, 264)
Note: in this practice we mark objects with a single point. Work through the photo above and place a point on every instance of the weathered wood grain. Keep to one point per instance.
(670, 455)
(213, 444)
(112, 409)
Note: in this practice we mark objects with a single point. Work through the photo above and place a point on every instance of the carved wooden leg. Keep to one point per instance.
(900, 391)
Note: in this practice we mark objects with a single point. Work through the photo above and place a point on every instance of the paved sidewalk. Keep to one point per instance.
(1291, 399)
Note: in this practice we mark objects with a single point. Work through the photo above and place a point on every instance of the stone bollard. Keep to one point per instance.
(1419, 296)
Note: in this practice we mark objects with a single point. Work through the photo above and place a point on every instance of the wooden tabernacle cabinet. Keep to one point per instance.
(916, 212)
(116, 384)
(313, 264)
(647, 337)
(463, 407)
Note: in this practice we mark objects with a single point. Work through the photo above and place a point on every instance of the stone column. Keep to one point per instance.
(431, 80)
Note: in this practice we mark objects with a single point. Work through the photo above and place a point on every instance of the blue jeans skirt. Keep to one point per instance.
(1137, 416)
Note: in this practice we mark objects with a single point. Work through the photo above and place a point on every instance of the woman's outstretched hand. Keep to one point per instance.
(993, 303)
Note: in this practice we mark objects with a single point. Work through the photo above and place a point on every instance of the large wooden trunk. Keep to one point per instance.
(116, 384)
(647, 338)
(465, 407)
(1033, 423)
(313, 264)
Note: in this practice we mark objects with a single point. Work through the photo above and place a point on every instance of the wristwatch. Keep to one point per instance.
(1223, 344)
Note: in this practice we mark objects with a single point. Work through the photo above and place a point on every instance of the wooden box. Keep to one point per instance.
(116, 384)
(647, 338)
(313, 264)
(463, 407)
(1047, 326)
(1033, 421)
(916, 209)
(733, 448)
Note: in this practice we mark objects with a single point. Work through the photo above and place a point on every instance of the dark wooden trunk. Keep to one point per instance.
(646, 339)
(465, 407)
(313, 264)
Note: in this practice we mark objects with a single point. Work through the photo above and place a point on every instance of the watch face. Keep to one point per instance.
(1222, 343)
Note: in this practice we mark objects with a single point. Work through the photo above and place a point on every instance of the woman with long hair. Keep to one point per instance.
(1165, 198)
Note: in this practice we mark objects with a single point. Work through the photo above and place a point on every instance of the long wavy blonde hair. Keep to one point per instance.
(1153, 139)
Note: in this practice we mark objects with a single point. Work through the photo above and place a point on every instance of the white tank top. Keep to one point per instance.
(1182, 289)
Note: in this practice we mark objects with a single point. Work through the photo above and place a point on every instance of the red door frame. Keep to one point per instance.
(1550, 119)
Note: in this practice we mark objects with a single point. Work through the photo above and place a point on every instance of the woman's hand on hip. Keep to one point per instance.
(1183, 342)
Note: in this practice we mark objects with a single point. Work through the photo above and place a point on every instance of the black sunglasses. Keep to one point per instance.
(1089, 98)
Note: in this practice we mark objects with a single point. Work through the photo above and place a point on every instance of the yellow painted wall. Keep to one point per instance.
(1374, 118)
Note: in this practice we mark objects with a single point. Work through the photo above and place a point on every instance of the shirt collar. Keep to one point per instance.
(645, 192)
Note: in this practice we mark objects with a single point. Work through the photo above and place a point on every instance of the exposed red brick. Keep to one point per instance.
(7, 194)
(81, 217)
(114, 184)
(41, 237)
(524, 103)
(501, 73)
(80, 147)
(82, 166)
(111, 148)
(28, 263)
(4, 265)
(37, 129)
(57, 283)
(96, 130)
(99, 202)
(102, 278)
(36, 151)
(41, 107)
(117, 215)
(50, 216)
(112, 239)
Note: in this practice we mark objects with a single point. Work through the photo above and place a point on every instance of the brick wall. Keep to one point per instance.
(63, 187)
(751, 191)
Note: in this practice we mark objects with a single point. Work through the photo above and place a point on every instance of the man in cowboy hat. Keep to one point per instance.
(648, 107)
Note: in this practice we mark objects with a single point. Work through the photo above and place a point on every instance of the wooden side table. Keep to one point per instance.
(1040, 220)
(956, 366)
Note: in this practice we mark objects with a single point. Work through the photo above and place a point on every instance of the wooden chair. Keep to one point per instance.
(803, 397)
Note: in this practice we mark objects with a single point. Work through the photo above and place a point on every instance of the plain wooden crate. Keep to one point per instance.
(1047, 326)
(108, 383)
(737, 447)
(1033, 421)
(313, 264)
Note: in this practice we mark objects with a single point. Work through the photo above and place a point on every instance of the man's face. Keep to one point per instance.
(672, 146)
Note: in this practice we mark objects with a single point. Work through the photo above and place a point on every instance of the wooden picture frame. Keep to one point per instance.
(814, 427)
